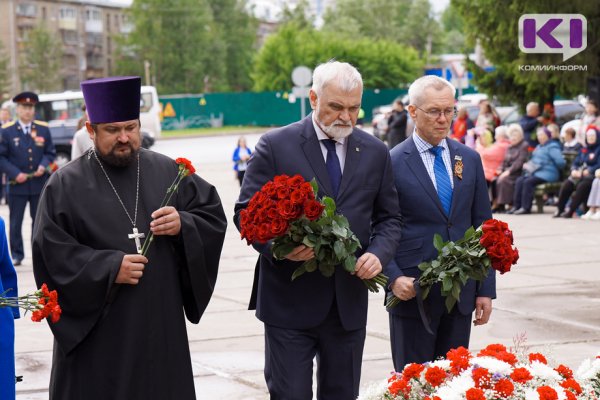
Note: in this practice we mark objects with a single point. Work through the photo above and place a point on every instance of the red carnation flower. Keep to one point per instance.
(475, 394)
(547, 393)
(435, 376)
(481, 377)
(537, 357)
(504, 387)
(412, 371)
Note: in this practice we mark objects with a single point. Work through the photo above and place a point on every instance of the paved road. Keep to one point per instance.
(552, 297)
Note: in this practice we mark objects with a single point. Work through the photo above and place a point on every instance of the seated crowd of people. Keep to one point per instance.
(519, 157)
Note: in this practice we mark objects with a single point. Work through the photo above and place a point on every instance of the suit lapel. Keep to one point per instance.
(352, 161)
(415, 164)
(313, 153)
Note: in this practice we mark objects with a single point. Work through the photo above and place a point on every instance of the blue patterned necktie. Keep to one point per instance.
(442, 180)
(333, 165)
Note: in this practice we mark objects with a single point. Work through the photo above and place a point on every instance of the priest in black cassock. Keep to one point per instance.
(122, 334)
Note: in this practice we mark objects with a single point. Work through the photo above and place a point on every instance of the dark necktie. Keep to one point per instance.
(442, 180)
(27, 130)
(333, 165)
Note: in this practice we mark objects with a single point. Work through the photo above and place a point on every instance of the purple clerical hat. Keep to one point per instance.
(112, 99)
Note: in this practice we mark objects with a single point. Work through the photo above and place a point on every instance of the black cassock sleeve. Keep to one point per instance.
(76, 271)
(203, 226)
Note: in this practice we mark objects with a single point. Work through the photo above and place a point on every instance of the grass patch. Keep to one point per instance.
(225, 130)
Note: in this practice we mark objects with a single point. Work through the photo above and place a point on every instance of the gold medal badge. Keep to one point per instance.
(458, 167)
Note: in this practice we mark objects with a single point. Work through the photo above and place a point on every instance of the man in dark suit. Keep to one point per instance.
(26, 150)
(314, 315)
(444, 194)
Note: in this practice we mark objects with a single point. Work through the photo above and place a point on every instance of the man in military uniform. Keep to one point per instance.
(26, 151)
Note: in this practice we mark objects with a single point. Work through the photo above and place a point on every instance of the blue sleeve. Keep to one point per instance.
(7, 270)
(557, 157)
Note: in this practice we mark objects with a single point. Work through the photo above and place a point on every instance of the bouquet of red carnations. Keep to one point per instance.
(490, 245)
(43, 303)
(287, 211)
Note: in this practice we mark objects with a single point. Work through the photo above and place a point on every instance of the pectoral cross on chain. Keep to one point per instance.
(137, 236)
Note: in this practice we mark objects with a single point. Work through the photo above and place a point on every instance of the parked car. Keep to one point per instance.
(564, 111)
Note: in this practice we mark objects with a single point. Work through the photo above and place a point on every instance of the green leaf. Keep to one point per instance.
(298, 271)
(447, 284)
(327, 269)
(310, 265)
(308, 241)
(339, 250)
(350, 264)
(315, 185)
(450, 302)
(282, 250)
(438, 242)
(338, 230)
(329, 206)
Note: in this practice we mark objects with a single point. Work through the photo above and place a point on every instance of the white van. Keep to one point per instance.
(150, 111)
(63, 110)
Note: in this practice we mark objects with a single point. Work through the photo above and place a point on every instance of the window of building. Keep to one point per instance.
(26, 10)
(67, 13)
(93, 15)
(69, 36)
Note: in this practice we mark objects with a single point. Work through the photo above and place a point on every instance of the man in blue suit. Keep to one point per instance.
(441, 189)
(314, 315)
(26, 150)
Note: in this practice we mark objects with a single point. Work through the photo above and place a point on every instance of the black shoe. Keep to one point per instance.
(499, 209)
(566, 214)
(511, 211)
(522, 211)
(17, 262)
(557, 213)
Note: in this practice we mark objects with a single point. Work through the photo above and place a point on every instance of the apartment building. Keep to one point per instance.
(86, 30)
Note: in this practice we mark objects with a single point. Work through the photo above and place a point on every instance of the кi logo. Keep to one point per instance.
(553, 33)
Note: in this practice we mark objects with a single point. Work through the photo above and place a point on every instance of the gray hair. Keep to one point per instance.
(345, 75)
(416, 89)
(501, 131)
(515, 129)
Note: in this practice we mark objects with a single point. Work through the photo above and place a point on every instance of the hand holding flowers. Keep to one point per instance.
(490, 245)
(43, 303)
(185, 168)
(287, 211)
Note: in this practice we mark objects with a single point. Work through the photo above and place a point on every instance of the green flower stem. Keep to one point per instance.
(170, 191)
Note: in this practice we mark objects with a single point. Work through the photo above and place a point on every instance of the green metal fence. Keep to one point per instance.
(249, 108)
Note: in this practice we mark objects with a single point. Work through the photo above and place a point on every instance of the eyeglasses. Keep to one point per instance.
(435, 113)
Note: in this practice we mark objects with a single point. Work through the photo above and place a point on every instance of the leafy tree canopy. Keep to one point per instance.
(41, 60)
(382, 63)
(495, 26)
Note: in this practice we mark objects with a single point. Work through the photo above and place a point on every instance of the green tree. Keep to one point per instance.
(41, 60)
(497, 32)
(180, 40)
(421, 30)
(377, 19)
(4, 73)
(237, 39)
(454, 41)
(382, 63)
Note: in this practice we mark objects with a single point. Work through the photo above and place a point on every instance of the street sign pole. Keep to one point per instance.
(302, 78)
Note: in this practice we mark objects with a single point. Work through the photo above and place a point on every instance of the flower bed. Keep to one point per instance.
(492, 374)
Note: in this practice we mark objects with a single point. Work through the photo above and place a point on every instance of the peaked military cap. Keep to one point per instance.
(26, 98)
